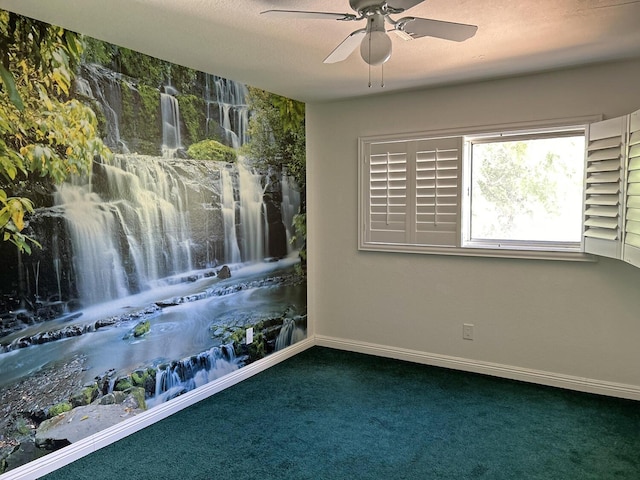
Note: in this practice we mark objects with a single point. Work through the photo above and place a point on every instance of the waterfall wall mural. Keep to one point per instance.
(150, 215)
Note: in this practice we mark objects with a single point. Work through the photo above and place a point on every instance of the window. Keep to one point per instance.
(544, 191)
(470, 193)
(524, 191)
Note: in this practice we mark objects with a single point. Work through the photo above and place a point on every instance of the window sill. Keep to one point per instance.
(480, 252)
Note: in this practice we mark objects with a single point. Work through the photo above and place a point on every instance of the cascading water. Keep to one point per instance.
(130, 227)
(171, 141)
(182, 376)
(252, 215)
(290, 208)
(231, 249)
(225, 101)
(244, 215)
(289, 334)
(136, 231)
(155, 217)
(104, 86)
(93, 228)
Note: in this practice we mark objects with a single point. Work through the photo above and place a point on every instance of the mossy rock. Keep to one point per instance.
(123, 384)
(138, 394)
(145, 147)
(212, 150)
(142, 328)
(192, 114)
(85, 396)
(257, 349)
(60, 408)
(137, 378)
(22, 426)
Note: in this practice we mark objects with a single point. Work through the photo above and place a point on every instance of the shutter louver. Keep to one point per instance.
(603, 189)
(632, 221)
(437, 170)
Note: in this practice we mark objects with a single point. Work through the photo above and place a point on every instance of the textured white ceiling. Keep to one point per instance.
(230, 38)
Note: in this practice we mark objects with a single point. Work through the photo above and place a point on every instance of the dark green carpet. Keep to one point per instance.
(327, 414)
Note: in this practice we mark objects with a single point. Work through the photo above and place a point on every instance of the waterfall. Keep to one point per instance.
(154, 215)
(244, 216)
(231, 249)
(290, 207)
(184, 375)
(289, 334)
(136, 231)
(225, 100)
(252, 215)
(103, 85)
(170, 110)
(92, 225)
(141, 220)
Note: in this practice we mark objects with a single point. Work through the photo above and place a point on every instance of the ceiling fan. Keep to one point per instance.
(375, 44)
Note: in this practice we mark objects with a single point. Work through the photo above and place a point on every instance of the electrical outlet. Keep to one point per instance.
(467, 331)
(249, 335)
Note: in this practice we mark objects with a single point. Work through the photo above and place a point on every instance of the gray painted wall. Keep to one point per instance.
(528, 314)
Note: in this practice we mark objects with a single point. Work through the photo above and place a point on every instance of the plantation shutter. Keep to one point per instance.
(632, 219)
(410, 192)
(437, 169)
(386, 183)
(603, 188)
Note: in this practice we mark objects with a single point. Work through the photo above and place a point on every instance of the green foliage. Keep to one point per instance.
(147, 70)
(212, 150)
(151, 127)
(97, 51)
(44, 132)
(300, 229)
(150, 70)
(277, 139)
(517, 180)
(277, 133)
(192, 111)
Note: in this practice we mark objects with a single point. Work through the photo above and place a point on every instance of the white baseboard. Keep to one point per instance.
(66, 455)
(588, 385)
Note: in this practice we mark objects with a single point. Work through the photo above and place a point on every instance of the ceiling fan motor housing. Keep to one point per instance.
(360, 5)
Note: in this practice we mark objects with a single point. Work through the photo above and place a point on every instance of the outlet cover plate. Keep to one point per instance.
(467, 331)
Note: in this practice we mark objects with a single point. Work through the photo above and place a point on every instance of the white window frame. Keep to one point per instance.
(365, 243)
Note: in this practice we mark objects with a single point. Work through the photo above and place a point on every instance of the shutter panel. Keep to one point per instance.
(437, 192)
(632, 220)
(386, 214)
(411, 192)
(603, 188)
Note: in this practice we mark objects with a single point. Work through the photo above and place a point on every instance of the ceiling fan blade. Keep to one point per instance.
(313, 15)
(424, 27)
(348, 45)
(403, 4)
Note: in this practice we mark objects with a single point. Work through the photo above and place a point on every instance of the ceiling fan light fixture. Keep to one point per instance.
(375, 48)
